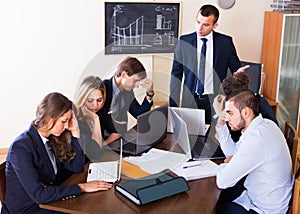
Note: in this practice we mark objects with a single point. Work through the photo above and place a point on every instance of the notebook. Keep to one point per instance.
(109, 171)
(151, 129)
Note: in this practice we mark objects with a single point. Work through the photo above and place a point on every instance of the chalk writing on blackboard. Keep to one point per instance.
(132, 28)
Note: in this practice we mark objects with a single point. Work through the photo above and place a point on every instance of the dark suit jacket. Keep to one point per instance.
(131, 104)
(265, 109)
(185, 64)
(30, 178)
(89, 146)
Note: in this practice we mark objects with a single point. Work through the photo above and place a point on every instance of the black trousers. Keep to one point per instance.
(203, 102)
(225, 204)
(233, 208)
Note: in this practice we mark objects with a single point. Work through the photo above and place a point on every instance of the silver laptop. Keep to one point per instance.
(109, 171)
(198, 147)
(180, 132)
(194, 119)
(151, 129)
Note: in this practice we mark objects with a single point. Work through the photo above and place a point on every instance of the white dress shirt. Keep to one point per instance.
(208, 81)
(263, 155)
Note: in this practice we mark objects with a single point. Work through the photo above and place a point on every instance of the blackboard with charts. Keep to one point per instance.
(141, 28)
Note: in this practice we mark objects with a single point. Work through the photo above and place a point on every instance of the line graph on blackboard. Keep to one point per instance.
(137, 28)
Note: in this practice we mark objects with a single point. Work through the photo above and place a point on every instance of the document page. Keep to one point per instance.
(197, 169)
(157, 160)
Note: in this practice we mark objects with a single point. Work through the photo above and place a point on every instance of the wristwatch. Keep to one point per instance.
(150, 93)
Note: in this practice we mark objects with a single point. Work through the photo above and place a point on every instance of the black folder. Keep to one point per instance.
(152, 188)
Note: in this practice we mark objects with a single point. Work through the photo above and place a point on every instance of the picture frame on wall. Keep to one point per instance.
(141, 27)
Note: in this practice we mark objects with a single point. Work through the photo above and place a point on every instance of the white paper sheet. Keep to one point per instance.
(157, 160)
(197, 169)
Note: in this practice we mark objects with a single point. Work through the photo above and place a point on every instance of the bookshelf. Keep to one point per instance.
(280, 56)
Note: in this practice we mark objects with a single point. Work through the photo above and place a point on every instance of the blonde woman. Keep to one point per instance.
(96, 126)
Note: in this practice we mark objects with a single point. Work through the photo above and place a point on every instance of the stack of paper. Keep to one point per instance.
(157, 160)
(197, 169)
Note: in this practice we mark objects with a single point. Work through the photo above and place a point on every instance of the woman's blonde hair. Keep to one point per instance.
(89, 84)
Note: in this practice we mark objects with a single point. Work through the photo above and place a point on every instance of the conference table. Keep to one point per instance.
(201, 198)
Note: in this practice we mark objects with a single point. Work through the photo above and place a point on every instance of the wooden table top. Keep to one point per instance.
(201, 198)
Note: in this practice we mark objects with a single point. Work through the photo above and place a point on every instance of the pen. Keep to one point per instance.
(186, 167)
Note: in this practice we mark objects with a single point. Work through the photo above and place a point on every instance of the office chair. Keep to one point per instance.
(2, 181)
(296, 194)
(292, 140)
(255, 73)
(294, 202)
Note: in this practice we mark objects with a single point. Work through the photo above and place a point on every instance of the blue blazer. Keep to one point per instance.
(90, 147)
(185, 64)
(30, 178)
(131, 104)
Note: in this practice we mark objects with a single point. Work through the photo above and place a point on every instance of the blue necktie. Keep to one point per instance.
(201, 70)
(51, 156)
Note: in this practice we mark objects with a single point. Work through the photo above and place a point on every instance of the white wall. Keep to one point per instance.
(48, 45)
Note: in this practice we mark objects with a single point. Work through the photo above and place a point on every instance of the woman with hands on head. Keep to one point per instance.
(39, 155)
(95, 124)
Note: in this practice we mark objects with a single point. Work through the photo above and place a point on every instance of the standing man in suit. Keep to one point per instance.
(120, 97)
(219, 55)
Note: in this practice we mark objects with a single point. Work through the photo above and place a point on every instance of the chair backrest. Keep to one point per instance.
(294, 202)
(255, 73)
(292, 140)
(2, 181)
(296, 197)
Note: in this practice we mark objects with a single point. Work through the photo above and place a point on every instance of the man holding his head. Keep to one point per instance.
(240, 80)
(120, 97)
(261, 153)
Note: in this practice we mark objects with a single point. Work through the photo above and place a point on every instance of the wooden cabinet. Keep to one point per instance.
(281, 59)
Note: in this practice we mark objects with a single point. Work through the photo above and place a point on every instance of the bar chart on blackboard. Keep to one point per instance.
(137, 28)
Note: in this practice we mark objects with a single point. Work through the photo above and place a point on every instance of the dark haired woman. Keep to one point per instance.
(37, 157)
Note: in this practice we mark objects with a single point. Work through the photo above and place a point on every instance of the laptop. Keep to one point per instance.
(199, 147)
(109, 171)
(194, 119)
(180, 132)
(151, 129)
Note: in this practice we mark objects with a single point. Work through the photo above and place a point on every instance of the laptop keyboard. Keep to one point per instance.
(129, 146)
(107, 171)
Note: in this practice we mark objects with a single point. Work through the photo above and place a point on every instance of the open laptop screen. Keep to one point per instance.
(151, 128)
(194, 119)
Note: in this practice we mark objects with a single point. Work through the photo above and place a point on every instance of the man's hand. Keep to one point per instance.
(221, 119)
(242, 69)
(218, 103)
(147, 84)
(228, 159)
